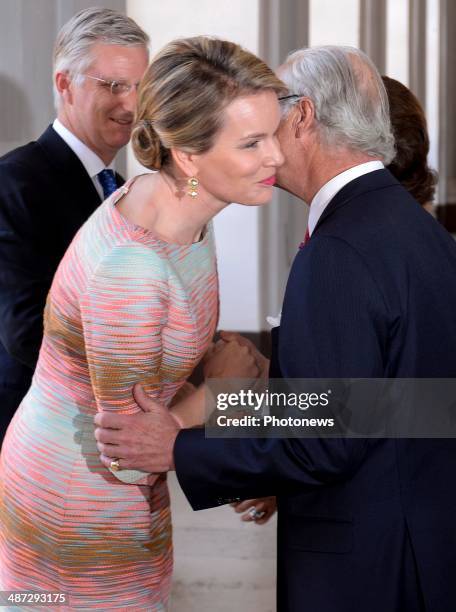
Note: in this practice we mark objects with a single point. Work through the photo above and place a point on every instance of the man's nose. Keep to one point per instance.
(129, 100)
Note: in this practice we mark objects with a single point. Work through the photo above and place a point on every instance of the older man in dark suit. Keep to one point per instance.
(364, 525)
(48, 188)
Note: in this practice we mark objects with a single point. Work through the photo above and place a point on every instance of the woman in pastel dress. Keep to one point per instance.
(134, 300)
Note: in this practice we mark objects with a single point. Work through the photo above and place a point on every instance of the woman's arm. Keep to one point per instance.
(123, 311)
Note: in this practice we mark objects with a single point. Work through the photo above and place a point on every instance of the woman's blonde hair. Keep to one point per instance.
(183, 94)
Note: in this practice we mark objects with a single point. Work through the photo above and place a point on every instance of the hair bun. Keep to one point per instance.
(147, 146)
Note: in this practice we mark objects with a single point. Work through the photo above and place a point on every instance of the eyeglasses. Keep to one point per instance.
(283, 98)
(117, 88)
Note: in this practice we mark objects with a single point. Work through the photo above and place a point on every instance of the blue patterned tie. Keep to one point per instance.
(107, 180)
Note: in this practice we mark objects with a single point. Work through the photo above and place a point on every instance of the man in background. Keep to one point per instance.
(49, 187)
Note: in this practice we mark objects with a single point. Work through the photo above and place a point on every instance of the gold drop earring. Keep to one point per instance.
(193, 183)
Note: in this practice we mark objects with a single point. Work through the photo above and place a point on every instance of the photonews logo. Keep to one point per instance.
(266, 399)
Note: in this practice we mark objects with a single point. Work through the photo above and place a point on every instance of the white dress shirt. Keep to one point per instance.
(326, 193)
(90, 160)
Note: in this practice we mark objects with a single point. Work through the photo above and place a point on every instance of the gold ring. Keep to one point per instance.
(114, 465)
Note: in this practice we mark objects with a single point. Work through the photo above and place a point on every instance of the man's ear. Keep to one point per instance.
(63, 85)
(305, 117)
(185, 162)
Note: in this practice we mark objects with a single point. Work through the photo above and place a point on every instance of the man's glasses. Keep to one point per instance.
(117, 88)
(289, 97)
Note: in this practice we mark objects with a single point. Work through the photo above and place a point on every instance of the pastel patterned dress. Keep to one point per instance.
(124, 307)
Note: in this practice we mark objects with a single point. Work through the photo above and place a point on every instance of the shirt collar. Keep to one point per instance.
(90, 160)
(326, 193)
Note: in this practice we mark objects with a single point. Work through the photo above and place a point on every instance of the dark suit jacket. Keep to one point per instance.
(45, 196)
(363, 525)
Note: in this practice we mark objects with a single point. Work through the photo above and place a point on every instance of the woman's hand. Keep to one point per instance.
(230, 360)
(262, 361)
(257, 510)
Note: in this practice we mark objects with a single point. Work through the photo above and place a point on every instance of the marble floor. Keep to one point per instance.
(221, 564)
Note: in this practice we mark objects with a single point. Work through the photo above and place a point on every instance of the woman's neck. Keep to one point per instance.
(162, 205)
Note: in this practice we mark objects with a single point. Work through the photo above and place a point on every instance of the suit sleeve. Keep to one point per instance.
(123, 312)
(25, 272)
(334, 325)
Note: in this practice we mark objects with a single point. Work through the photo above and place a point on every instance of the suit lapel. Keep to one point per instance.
(68, 166)
(120, 180)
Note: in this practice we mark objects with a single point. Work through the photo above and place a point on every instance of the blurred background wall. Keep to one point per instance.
(221, 564)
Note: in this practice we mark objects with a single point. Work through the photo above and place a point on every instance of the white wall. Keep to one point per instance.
(334, 22)
(237, 227)
(397, 40)
(432, 80)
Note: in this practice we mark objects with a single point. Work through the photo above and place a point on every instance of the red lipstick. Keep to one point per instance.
(269, 181)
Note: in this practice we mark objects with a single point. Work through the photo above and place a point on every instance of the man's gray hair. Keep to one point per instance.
(351, 104)
(72, 50)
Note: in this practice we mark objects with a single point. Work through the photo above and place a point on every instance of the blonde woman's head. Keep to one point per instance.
(184, 94)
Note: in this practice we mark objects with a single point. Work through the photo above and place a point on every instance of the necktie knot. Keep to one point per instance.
(107, 180)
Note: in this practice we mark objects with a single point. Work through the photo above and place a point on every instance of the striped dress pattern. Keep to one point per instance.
(124, 307)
